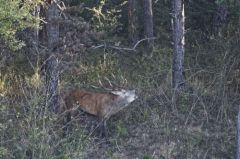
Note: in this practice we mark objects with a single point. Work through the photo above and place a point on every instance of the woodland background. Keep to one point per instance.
(95, 46)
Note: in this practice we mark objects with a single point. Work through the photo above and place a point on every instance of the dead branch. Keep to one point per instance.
(123, 48)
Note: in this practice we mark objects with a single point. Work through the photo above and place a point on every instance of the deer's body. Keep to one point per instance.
(102, 105)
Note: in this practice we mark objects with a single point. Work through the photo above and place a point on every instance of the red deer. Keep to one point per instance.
(102, 105)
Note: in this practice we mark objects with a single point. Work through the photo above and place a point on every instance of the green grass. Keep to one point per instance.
(196, 123)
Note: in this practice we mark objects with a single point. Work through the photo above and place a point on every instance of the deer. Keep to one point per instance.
(100, 104)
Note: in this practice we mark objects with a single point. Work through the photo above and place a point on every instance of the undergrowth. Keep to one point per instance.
(198, 122)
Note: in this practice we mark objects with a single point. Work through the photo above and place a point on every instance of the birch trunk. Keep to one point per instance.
(178, 38)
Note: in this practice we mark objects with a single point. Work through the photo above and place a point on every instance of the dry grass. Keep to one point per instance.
(197, 123)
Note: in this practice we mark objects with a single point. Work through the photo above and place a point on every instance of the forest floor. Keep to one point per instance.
(198, 122)
(160, 124)
(156, 128)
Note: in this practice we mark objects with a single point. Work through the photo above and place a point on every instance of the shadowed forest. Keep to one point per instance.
(180, 57)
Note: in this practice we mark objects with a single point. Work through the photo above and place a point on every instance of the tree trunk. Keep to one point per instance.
(132, 21)
(52, 72)
(178, 38)
(148, 22)
(238, 135)
(220, 18)
(36, 13)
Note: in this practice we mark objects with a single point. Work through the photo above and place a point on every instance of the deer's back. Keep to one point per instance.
(91, 102)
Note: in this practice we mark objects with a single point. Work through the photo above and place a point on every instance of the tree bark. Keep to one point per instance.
(178, 38)
(52, 70)
(220, 18)
(238, 135)
(132, 21)
(148, 22)
(36, 13)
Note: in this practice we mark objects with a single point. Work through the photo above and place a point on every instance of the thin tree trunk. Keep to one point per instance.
(132, 21)
(220, 18)
(178, 38)
(52, 72)
(36, 13)
(238, 135)
(148, 22)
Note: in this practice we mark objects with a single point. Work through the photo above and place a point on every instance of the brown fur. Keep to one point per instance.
(93, 103)
(102, 105)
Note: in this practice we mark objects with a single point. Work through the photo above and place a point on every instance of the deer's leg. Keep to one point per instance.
(103, 127)
(67, 124)
(68, 117)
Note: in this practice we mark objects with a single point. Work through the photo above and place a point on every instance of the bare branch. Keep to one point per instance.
(123, 48)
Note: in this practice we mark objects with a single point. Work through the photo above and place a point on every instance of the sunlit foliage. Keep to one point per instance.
(16, 15)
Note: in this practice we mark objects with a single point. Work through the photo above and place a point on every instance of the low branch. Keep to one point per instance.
(123, 48)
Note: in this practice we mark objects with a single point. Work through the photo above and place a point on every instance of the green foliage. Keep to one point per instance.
(151, 68)
(98, 69)
(121, 129)
(198, 123)
(15, 15)
(3, 152)
(32, 132)
(105, 16)
(161, 17)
